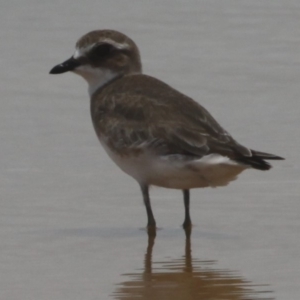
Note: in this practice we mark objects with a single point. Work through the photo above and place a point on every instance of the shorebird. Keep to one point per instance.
(154, 133)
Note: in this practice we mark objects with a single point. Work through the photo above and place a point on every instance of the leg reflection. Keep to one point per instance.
(148, 255)
(185, 278)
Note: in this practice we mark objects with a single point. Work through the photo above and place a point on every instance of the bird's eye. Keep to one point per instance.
(102, 50)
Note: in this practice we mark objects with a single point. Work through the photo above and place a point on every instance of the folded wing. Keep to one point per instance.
(167, 122)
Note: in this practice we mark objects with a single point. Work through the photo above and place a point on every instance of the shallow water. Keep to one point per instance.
(71, 221)
(186, 278)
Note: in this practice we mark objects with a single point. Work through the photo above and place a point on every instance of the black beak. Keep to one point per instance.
(66, 66)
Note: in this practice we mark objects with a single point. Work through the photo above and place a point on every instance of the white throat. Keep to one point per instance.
(95, 77)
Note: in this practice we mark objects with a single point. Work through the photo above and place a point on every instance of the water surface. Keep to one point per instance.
(71, 221)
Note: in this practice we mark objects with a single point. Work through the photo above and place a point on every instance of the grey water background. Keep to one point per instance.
(70, 220)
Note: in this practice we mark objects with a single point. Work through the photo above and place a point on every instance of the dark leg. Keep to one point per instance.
(187, 220)
(151, 221)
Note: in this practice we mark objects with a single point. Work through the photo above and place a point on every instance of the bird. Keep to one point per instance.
(153, 132)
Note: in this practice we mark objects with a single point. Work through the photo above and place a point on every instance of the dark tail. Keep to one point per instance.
(257, 160)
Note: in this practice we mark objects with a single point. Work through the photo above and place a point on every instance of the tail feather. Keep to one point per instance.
(257, 160)
(267, 156)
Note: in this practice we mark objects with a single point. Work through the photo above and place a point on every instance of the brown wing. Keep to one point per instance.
(159, 117)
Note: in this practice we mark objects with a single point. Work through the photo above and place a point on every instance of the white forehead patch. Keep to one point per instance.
(82, 51)
(116, 44)
(79, 52)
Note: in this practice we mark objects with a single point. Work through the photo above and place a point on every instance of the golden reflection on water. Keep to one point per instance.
(186, 278)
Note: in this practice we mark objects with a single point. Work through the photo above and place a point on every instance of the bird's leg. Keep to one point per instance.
(151, 221)
(187, 220)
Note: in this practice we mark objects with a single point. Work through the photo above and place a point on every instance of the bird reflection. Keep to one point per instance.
(186, 278)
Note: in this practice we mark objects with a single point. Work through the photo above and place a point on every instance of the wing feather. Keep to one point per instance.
(161, 119)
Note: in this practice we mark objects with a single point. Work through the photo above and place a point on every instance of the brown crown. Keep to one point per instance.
(110, 49)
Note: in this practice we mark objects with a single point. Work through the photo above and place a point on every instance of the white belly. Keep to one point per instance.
(175, 172)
